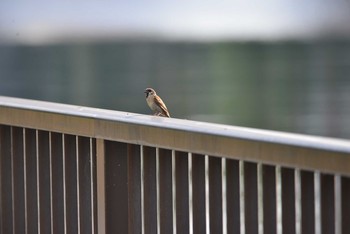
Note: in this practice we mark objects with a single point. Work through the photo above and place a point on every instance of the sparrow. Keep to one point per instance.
(155, 103)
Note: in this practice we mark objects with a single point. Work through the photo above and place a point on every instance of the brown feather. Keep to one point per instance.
(160, 103)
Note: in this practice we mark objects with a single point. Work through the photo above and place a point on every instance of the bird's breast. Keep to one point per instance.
(151, 103)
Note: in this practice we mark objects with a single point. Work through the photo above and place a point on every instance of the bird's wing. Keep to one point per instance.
(162, 106)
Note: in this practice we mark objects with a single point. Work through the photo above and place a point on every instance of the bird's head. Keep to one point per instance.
(149, 91)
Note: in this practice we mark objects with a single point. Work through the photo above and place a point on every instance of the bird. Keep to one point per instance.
(155, 103)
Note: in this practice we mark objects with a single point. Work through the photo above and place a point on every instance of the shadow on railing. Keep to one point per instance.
(70, 169)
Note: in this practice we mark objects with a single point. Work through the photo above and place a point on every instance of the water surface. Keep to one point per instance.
(299, 87)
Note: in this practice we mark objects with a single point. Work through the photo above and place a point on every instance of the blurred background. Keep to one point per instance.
(280, 65)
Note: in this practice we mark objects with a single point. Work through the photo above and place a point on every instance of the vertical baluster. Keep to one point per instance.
(190, 193)
(93, 181)
(317, 197)
(6, 212)
(64, 175)
(58, 204)
(251, 197)
(134, 188)
(182, 192)
(157, 191)
(288, 201)
(215, 195)
(232, 196)
(278, 200)
(260, 198)
(327, 204)
(173, 188)
(242, 197)
(345, 204)
(31, 181)
(84, 196)
(269, 199)
(100, 185)
(116, 187)
(224, 195)
(44, 180)
(165, 191)
(198, 194)
(18, 180)
(37, 179)
(149, 190)
(77, 169)
(337, 201)
(207, 208)
(51, 181)
(70, 181)
(298, 204)
(307, 202)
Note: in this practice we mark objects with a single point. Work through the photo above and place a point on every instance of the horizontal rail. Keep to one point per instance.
(269, 147)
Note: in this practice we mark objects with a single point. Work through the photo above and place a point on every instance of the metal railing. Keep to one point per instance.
(70, 169)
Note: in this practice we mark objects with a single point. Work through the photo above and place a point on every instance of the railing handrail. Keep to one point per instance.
(287, 149)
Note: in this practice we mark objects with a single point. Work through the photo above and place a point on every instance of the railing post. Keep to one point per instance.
(100, 180)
